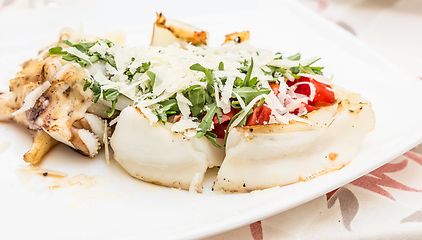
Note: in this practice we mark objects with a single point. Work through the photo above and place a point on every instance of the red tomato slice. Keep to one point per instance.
(259, 116)
(323, 96)
(275, 88)
(226, 116)
(220, 129)
(309, 108)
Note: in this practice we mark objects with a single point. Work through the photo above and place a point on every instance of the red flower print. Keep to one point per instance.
(377, 178)
(256, 230)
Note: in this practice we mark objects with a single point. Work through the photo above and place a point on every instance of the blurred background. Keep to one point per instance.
(391, 27)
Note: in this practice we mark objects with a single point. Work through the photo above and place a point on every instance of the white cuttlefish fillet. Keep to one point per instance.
(261, 157)
(151, 152)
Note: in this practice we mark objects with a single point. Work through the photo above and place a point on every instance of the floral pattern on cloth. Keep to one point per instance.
(383, 204)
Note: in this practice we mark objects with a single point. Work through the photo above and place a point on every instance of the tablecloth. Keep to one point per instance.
(384, 204)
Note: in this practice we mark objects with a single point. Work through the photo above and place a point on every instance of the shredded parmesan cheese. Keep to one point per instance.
(105, 140)
(32, 97)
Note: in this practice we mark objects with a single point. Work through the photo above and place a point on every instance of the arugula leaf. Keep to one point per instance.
(87, 84)
(317, 70)
(253, 81)
(316, 60)
(111, 94)
(56, 51)
(235, 104)
(248, 74)
(197, 67)
(151, 76)
(82, 62)
(108, 42)
(295, 70)
(208, 98)
(221, 66)
(305, 69)
(249, 93)
(67, 43)
(84, 47)
(206, 122)
(168, 107)
(110, 59)
(238, 82)
(209, 76)
(142, 69)
(212, 137)
(230, 123)
(197, 98)
(279, 56)
(243, 121)
(261, 101)
(69, 57)
(190, 89)
(94, 58)
(244, 68)
(96, 89)
(295, 57)
(145, 67)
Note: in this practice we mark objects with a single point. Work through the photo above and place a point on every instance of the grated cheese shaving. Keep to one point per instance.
(32, 97)
(172, 75)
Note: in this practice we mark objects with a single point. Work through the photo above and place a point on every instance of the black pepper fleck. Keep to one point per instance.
(45, 174)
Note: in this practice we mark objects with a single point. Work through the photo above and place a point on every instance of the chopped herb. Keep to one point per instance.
(96, 89)
(167, 107)
(87, 84)
(279, 56)
(84, 47)
(110, 59)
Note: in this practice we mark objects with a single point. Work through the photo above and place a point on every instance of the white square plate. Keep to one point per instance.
(120, 207)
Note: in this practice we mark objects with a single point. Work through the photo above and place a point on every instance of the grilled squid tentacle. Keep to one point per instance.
(59, 112)
(40, 147)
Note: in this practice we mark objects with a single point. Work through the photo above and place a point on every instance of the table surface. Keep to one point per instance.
(384, 204)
